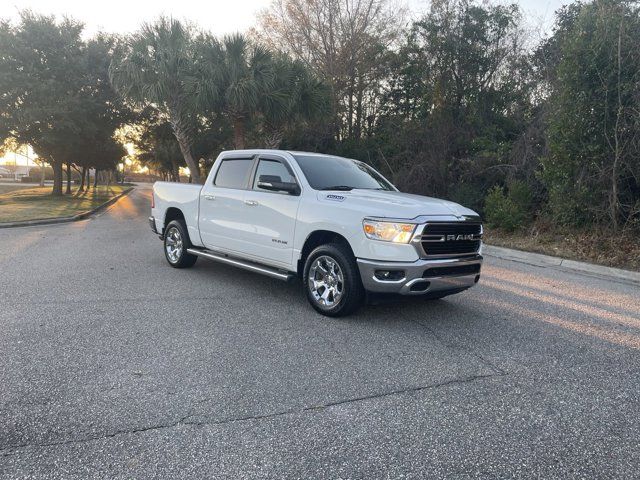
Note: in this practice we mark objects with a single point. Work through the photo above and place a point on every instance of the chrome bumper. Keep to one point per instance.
(422, 276)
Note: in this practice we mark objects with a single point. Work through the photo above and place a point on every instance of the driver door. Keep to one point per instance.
(271, 215)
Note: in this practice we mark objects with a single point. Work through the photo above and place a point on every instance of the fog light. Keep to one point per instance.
(389, 275)
(477, 279)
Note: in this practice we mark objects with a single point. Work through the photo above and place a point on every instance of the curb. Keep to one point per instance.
(74, 218)
(540, 260)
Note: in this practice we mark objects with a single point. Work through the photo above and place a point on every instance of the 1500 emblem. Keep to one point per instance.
(337, 198)
(283, 242)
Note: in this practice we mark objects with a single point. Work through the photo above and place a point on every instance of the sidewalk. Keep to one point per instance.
(540, 260)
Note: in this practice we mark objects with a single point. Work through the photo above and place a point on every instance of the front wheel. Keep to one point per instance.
(332, 280)
(176, 242)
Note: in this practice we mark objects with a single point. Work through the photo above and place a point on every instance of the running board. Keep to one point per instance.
(245, 264)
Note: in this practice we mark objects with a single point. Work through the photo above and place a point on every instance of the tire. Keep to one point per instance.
(332, 268)
(176, 242)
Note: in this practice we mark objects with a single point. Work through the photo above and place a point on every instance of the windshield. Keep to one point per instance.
(335, 173)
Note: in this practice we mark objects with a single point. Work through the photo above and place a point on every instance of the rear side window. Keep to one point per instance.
(233, 173)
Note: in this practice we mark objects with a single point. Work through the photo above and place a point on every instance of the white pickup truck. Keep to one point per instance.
(335, 223)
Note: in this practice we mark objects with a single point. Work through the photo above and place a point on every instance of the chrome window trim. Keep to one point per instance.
(234, 157)
(274, 158)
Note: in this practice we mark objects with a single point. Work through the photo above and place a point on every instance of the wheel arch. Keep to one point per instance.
(172, 214)
(314, 240)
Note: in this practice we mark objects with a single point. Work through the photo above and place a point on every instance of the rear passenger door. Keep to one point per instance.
(222, 207)
(271, 215)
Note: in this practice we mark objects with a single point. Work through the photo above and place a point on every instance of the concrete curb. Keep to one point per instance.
(74, 218)
(540, 260)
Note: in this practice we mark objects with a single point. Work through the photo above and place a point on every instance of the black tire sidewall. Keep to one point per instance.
(353, 290)
(186, 259)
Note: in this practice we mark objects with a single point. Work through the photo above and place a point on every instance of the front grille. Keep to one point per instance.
(441, 238)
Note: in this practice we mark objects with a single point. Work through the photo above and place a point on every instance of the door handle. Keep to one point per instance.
(209, 197)
(251, 203)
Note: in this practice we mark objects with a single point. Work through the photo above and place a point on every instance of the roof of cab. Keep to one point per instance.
(256, 151)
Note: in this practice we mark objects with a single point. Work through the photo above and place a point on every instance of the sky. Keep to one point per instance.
(218, 16)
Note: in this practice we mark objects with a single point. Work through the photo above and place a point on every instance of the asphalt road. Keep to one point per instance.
(114, 365)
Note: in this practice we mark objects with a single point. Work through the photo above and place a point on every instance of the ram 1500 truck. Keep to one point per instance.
(335, 223)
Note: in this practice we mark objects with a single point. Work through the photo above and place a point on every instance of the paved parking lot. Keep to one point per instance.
(114, 365)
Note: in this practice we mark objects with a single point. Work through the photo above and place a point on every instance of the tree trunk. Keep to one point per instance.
(42, 174)
(182, 136)
(95, 178)
(350, 106)
(238, 133)
(57, 178)
(359, 94)
(273, 138)
(614, 203)
(190, 161)
(175, 173)
(82, 180)
(68, 191)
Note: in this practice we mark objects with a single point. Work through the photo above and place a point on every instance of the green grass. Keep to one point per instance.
(6, 188)
(37, 203)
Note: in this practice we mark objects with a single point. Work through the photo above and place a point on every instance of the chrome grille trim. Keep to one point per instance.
(419, 238)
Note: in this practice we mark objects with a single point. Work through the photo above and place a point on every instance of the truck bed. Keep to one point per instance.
(183, 196)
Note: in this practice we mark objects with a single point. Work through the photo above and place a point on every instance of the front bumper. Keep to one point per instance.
(422, 276)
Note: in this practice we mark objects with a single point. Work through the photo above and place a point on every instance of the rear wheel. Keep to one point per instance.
(176, 242)
(332, 280)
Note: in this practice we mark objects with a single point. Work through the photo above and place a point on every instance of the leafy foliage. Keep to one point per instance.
(452, 105)
(593, 164)
(157, 66)
(508, 211)
(55, 95)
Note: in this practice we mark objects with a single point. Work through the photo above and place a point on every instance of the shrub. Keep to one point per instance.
(509, 211)
(469, 195)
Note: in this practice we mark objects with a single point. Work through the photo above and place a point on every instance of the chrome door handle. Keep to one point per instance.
(209, 197)
(251, 203)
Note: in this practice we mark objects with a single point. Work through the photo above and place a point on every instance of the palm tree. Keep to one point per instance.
(157, 66)
(246, 76)
(297, 97)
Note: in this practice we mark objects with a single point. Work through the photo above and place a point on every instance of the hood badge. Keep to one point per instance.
(337, 198)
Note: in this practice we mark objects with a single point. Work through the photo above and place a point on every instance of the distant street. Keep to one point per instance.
(114, 365)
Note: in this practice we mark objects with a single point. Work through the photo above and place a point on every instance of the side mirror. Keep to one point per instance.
(275, 184)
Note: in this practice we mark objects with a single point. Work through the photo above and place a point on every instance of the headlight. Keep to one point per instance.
(388, 231)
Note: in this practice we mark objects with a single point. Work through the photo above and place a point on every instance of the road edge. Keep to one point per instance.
(74, 218)
(540, 260)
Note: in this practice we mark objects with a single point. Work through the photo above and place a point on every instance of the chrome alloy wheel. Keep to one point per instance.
(173, 244)
(326, 282)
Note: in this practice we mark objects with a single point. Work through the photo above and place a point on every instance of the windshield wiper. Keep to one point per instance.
(338, 187)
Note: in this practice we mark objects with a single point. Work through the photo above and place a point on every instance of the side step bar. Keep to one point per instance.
(245, 264)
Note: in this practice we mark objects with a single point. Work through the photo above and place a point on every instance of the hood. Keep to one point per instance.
(380, 203)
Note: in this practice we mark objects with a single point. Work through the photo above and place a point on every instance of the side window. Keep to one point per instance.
(233, 172)
(272, 171)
